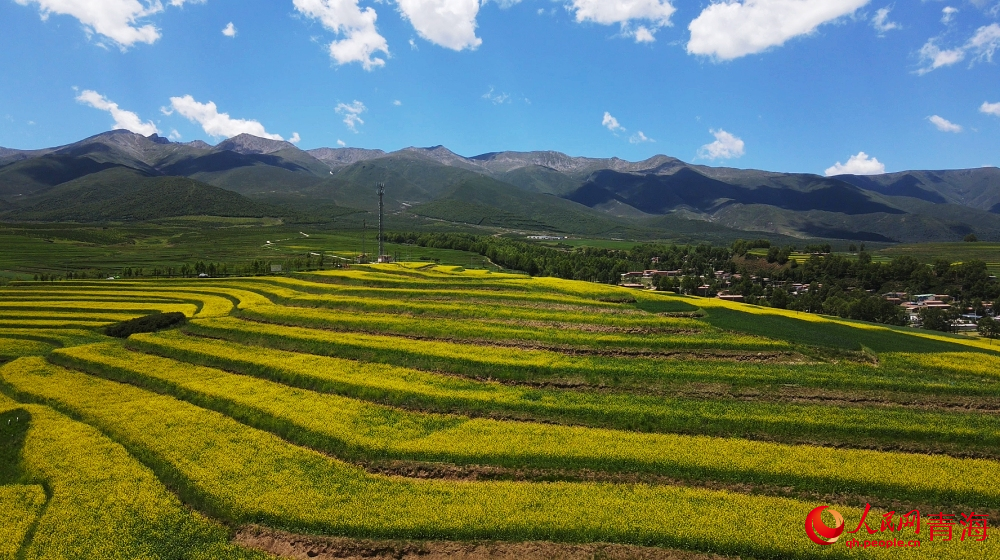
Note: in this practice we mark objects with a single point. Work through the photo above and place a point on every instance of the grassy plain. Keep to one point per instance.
(57, 249)
(420, 402)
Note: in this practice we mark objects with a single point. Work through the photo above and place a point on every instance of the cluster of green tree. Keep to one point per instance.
(590, 264)
(146, 324)
(845, 286)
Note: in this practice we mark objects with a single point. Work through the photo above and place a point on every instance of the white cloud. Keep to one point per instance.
(341, 143)
(944, 125)
(860, 164)
(948, 14)
(397, 103)
(985, 42)
(229, 30)
(726, 146)
(174, 135)
(611, 123)
(295, 139)
(990, 109)
(640, 138)
(731, 29)
(625, 13)
(118, 20)
(124, 120)
(361, 39)
(214, 123)
(881, 21)
(644, 35)
(933, 57)
(496, 98)
(982, 46)
(114, 19)
(447, 23)
(352, 114)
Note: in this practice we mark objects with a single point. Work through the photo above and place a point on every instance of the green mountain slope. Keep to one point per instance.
(120, 194)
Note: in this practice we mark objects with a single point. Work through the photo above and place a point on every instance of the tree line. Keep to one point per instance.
(846, 286)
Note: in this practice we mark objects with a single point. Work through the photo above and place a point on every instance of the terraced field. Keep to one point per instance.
(412, 410)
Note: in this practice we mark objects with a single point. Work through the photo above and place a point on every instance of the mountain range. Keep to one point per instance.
(121, 176)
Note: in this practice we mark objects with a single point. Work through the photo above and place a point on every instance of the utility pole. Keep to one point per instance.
(364, 231)
(381, 232)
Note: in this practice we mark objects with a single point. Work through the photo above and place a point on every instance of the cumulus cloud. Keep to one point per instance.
(118, 20)
(881, 21)
(729, 30)
(726, 146)
(948, 14)
(229, 30)
(626, 13)
(114, 19)
(990, 108)
(981, 46)
(611, 123)
(295, 139)
(397, 103)
(352, 114)
(944, 125)
(447, 23)
(860, 164)
(341, 143)
(214, 123)
(640, 138)
(361, 40)
(174, 135)
(124, 120)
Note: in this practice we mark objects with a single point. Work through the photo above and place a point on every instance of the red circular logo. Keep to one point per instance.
(818, 532)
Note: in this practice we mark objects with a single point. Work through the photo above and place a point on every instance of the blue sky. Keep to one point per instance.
(782, 85)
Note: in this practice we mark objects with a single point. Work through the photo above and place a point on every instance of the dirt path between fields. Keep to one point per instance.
(287, 545)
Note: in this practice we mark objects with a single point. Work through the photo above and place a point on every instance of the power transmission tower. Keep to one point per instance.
(381, 232)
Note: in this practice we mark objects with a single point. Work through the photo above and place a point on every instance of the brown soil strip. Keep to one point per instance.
(287, 545)
(594, 328)
(810, 395)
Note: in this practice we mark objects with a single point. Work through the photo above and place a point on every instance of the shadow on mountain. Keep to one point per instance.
(40, 174)
(659, 194)
(834, 233)
(226, 160)
(907, 185)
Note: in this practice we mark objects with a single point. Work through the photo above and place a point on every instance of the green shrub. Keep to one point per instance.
(146, 324)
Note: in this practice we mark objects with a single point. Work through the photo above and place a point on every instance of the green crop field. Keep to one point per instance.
(952, 252)
(426, 409)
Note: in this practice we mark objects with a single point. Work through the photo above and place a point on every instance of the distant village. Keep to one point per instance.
(966, 321)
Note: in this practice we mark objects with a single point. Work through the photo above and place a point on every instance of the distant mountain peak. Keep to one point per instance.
(248, 144)
(340, 157)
